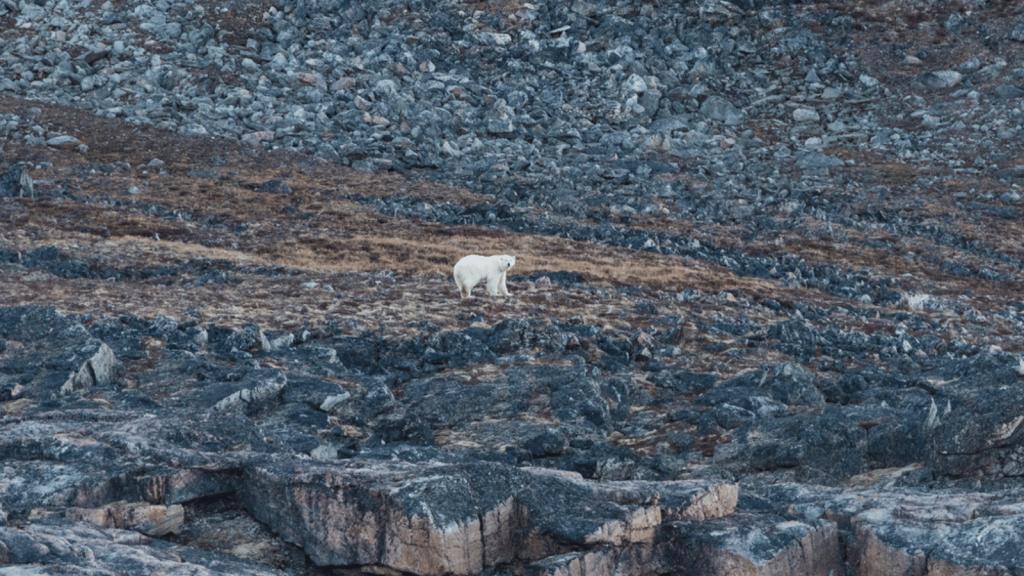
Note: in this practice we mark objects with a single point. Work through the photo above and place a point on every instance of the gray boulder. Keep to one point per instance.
(17, 183)
(721, 110)
(940, 80)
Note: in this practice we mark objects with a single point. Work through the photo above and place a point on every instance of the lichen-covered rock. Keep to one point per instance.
(99, 368)
(17, 182)
(56, 355)
(821, 447)
(459, 519)
(761, 545)
(915, 531)
(250, 339)
(939, 534)
(257, 390)
(73, 547)
(84, 462)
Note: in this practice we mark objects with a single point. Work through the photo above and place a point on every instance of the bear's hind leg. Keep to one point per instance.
(464, 288)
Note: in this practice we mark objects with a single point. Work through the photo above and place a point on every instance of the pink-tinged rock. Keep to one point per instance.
(634, 560)
(258, 138)
(312, 79)
(149, 519)
(343, 84)
(434, 519)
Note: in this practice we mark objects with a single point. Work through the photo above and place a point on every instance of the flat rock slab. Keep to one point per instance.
(75, 547)
(919, 532)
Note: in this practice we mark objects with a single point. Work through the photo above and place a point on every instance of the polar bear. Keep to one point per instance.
(473, 268)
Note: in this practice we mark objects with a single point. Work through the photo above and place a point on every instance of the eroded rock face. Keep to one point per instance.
(759, 545)
(632, 560)
(461, 519)
(915, 531)
(939, 534)
(148, 519)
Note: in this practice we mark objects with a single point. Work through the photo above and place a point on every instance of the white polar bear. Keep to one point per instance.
(473, 268)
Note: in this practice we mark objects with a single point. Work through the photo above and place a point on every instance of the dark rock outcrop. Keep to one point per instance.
(16, 182)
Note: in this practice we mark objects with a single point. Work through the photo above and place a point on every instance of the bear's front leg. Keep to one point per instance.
(502, 287)
(492, 285)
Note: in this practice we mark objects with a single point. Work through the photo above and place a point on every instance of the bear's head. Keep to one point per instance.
(506, 263)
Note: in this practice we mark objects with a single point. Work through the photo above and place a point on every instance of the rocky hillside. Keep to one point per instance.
(765, 316)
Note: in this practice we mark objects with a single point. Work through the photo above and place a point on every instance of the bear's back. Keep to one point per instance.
(474, 260)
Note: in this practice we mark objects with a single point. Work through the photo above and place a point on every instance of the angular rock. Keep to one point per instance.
(633, 560)
(869, 81)
(1017, 32)
(817, 448)
(17, 183)
(312, 79)
(258, 389)
(100, 369)
(57, 356)
(332, 402)
(721, 110)
(903, 531)
(1008, 91)
(940, 80)
(149, 519)
(805, 115)
(930, 542)
(275, 186)
(463, 350)
(761, 545)
(635, 84)
(818, 160)
(249, 339)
